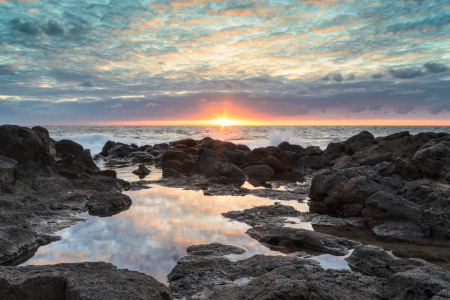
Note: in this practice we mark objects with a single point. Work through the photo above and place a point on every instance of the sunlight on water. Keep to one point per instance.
(94, 137)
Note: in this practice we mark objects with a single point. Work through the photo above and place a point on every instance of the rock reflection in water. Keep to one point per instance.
(154, 233)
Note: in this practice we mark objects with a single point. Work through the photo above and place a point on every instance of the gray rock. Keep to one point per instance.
(108, 204)
(233, 173)
(273, 215)
(312, 162)
(259, 173)
(345, 162)
(286, 239)
(94, 280)
(406, 278)
(214, 249)
(268, 277)
(7, 169)
(142, 171)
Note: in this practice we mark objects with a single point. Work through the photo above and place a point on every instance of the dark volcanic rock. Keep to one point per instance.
(259, 173)
(142, 171)
(263, 215)
(108, 204)
(286, 239)
(45, 187)
(267, 277)
(24, 144)
(382, 276)
(94, 280)
(406, 278)
(7, 169)
(364, 192)
(232, 174)
(215, 249)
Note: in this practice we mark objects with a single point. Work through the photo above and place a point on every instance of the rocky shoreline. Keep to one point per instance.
(397, 188)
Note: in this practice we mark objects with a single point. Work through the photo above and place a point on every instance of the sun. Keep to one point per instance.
(227, 122)
(224, 122)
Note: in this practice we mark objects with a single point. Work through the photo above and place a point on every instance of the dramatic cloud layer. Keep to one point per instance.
(110, 61)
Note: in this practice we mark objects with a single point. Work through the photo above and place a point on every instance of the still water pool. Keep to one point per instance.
(162, 222)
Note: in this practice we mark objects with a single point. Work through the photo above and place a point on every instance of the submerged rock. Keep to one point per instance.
(93, 280)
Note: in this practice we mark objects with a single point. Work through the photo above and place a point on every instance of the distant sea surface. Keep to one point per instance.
(94, 137)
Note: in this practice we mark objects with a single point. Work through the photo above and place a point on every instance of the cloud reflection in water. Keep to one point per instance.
(154, 233)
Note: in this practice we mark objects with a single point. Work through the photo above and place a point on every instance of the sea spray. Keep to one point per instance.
(277, 135)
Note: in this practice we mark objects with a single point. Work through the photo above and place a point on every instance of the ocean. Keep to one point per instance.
(94, 137)
(162, 222)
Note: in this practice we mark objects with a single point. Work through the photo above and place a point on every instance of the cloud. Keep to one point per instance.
(53, 28)
(25, 27)
(405, 109)
(377, 75)
(405, 73)
(86, 83)
(350, 76)
(408, 92)
(118, 105)
(435, 67)
(334, 76)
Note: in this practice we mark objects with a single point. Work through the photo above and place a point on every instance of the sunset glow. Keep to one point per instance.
(255, 62)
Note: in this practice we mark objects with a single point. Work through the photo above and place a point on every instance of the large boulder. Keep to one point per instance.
(363, 192)
(406, 278)
(232, 174)
(209, 162)
(433, 159)
(259, 173)
(90, 280)
(23, 144)
(108, 204)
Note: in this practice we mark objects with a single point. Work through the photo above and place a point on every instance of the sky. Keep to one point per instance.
(143, 62)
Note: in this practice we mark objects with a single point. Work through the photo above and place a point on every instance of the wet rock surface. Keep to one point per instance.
(43, 184)
(379, 276)
(397, 186)
(93, 280)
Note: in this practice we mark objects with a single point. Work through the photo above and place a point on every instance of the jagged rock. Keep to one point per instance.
(23, 144)
(312, 151)
(232, 173)
(268, 277)
(313, 162)
(406, 278)
(214, 249)
(142, 171)
(286, 239)
(407, 169)
(209, 162)
(345, 162)
(108, 204)
(273, 162)
(372, 156)
(259, 173)
(92, 280)
(272, 215)
(7, 169)
(286, 146)
(362, 191)
(433, 159)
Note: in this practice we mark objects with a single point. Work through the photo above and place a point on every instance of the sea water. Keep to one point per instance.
(94, 137)
(153, 234)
